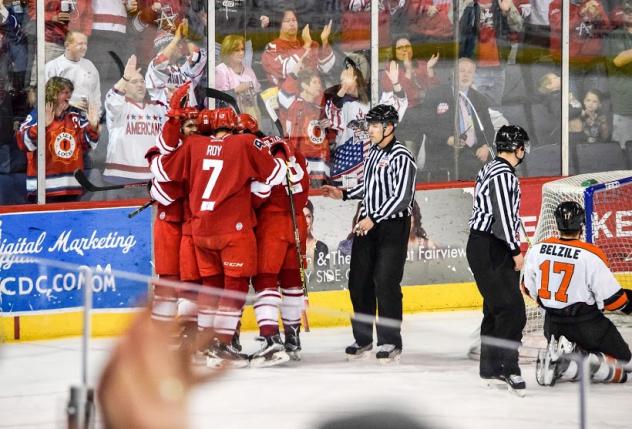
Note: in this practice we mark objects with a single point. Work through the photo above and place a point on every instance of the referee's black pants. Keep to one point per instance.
(375, 275)
(503, 306)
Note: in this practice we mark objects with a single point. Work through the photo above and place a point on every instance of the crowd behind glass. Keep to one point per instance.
(112, 65)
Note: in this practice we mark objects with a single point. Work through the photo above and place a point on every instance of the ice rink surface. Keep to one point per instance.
(435, 383)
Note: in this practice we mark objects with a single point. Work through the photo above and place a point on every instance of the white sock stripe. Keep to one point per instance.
(225, 331)
(187, 308)
(267, 322)
(205, 320)
(292, 293)
(161, 318)
(226, 322)
(236, 314)
(164, 308)
(264, 304)
(268, 292)
(291, 321)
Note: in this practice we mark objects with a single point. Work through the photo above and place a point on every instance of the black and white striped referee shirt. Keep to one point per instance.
(388, 188)
(497, 203)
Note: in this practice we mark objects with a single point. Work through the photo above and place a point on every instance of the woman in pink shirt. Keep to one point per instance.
(234, 76)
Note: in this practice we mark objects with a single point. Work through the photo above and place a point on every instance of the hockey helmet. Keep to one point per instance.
(511, 137)
(246, 122)
(189, 113)
(204, 122)
(569, 216)
(382, 113)
(210, 121)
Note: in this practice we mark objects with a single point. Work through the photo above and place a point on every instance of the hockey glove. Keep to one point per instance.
(179, 101)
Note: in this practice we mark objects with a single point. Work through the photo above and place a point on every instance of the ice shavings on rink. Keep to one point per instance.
(434, 382)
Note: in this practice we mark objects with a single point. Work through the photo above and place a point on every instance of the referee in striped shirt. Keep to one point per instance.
(379, 249)
(493, 252)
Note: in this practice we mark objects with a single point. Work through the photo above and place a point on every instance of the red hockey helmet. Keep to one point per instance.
(205, 122)
(246, 122)
(223, 118)
(189, 113)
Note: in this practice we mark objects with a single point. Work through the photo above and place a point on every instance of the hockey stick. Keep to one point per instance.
(297, 242)
(223, 96)
(141, 208)
(267, 97)
(83, 180)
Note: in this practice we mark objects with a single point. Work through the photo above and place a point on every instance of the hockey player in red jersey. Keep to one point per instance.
(572, 281)
(277, 261)
(69, 136)
(168, 225)
(217, 173)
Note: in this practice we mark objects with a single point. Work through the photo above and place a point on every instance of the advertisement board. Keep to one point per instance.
(41, 255)
(436, 247)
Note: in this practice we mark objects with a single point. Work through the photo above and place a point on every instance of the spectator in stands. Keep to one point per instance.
(13, 48)
(346, 106)
(537, 31)
(594, 122)
(12, 159)
(234, 76)
(470, 149)
(178, 61)
(283, 55)
(81, 72)
(619, 65)
(416, 77)
(485, 29)
(70, 133)
(355, 26)
(109, 37)
(303, 118)
(430, 28)
(549, 86)
(134, 123)
(60, 16)
(589, 25)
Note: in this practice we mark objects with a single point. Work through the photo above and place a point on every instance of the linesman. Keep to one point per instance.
(379, 249)
(493, 252)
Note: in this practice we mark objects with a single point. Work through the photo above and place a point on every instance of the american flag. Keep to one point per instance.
(349, 158)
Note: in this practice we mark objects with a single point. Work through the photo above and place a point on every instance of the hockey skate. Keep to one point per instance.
(356, 352)
(549, 365)
(235, 342)
(220, 354)
(272, 353)
(293, 342)
(515, 384)
(387, 353)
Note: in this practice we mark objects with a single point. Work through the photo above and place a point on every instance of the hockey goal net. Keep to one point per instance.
(607, 200)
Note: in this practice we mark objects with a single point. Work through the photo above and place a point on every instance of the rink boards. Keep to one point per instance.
(437, 276)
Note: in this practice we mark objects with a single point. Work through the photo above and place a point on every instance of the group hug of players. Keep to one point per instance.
(225, 221)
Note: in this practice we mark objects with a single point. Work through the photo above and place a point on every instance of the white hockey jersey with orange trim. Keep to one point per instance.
(561, 272)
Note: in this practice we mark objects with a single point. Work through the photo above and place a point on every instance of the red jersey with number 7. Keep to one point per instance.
(217, 171)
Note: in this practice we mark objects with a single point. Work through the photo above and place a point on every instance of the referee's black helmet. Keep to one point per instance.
(511, 137)
(569, 216)
(382, 113)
